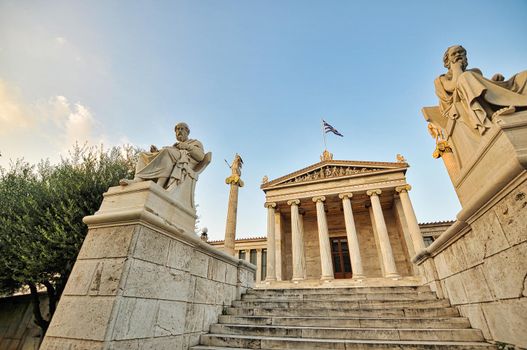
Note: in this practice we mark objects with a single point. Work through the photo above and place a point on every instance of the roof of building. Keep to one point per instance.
(241, 239)
(350, 163)
(445, 222)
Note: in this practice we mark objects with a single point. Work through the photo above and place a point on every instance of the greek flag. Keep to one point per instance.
(329, 128)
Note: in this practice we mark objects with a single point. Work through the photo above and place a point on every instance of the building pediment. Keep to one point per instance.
(332, 170)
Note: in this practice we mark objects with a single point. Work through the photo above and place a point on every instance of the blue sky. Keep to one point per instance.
(249, 77)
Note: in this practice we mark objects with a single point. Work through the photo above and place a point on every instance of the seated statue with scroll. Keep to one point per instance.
(175, 168)
(464, 93)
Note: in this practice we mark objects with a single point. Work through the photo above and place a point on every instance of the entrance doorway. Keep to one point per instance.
(341, 257)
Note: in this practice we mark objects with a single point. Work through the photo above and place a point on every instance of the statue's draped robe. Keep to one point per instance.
(475, 97)
(170, 162)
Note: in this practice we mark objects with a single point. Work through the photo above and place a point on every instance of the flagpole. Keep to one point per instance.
(324, 135)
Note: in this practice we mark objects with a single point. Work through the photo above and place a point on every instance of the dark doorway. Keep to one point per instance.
(341, 257)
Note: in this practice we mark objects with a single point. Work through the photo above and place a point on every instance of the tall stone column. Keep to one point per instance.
(235, 182)
(296, 242)
(271, 271)
(351, 233)
(323, 239)
(411, 219)
(278, 237)
(302, 243)
(390, 269)
(376, 238)
(258, 266)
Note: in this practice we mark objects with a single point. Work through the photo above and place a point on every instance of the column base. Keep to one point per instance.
(327, 278)
(297, 279)
(393, 276)
(358, 278)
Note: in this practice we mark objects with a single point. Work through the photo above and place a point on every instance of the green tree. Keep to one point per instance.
(41, 211)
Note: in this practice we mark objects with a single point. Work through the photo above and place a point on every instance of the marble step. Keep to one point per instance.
(224, 342)
(328, 312)
(473, 335)
(347, 322)
(344, 297)
(354, 290)
(372, 304)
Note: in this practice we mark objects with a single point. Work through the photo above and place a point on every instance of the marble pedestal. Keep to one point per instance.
(143, 279)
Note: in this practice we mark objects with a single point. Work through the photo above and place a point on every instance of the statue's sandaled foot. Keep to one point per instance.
(504, 111)
(126, 182)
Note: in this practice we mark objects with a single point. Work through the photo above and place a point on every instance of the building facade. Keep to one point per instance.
(338, 220)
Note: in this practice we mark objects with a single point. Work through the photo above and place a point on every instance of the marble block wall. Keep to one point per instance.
(144, 286)
(483, 271)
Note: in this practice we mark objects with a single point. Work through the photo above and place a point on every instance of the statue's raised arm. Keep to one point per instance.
(477, 101)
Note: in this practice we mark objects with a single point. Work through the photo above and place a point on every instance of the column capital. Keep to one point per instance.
(372, 193)
(345, 195)
(404, 188)
(319, 198)
(293, 201)
(270, 205)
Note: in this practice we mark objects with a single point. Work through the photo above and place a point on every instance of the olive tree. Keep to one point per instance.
(41, 211)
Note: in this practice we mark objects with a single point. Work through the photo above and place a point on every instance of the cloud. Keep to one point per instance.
(12, 112)
(60, 41)
(47, 128)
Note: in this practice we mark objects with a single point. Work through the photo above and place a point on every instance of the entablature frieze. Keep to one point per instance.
(335, 170)
(335, 191)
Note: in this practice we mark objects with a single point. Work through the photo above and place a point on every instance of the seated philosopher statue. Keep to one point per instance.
(466, 94)
(175, 167)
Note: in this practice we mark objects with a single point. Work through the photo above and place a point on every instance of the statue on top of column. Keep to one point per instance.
(174, 168)
(465, 94)
(236, 171)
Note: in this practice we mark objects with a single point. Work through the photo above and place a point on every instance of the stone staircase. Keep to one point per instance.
(342, 318)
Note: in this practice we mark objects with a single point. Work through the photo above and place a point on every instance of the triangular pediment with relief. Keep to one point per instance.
(331, 170)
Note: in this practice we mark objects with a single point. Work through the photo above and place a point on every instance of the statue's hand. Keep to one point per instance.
(498, 77)
(153, 149)
(182, 145)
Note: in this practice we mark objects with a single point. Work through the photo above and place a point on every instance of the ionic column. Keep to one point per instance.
(351, 232)
(301, 227)
(296, 242)
(278, 234)
(235, 183)
(411, 219)
(390, 269)
(271, 271)
(323, 239)
(258, 265)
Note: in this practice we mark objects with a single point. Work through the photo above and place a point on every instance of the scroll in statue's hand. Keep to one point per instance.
(182, 146)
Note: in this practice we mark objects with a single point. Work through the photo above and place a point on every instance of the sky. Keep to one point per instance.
(249, 77)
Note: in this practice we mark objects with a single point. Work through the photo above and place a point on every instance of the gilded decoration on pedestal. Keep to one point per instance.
(441, 148)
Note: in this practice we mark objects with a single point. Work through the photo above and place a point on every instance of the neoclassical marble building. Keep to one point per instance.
(338, 219)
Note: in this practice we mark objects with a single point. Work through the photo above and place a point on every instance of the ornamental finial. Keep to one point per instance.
(326, 155)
